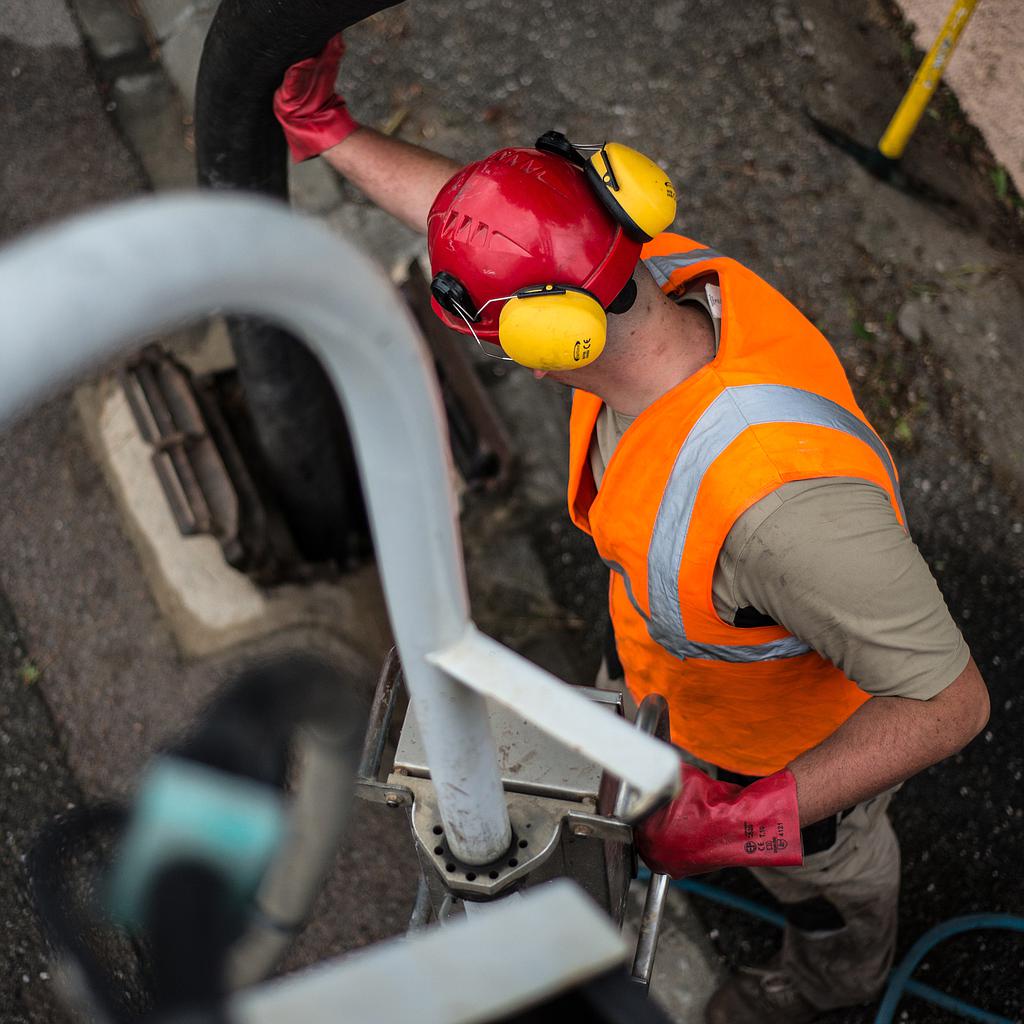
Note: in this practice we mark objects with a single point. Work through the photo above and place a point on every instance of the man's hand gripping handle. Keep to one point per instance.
(714, 824)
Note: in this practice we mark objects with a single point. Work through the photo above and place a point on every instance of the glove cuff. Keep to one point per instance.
(771, 821)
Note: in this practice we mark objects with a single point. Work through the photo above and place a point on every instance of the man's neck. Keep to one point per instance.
(667, 344)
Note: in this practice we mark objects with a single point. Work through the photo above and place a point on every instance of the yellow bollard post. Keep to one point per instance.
(925, 82)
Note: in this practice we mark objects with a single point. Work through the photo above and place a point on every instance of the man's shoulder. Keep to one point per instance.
(798, 508)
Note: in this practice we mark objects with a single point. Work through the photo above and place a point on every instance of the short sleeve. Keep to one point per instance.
(831, 563)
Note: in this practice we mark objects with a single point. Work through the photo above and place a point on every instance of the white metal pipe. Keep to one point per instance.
(650, 768)
(74, 295)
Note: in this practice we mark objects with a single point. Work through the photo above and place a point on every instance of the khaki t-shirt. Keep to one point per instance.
(828, 560)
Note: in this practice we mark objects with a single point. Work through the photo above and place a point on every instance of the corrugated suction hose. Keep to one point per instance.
(295, 412)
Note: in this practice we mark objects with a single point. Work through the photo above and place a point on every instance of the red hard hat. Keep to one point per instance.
(521, 217)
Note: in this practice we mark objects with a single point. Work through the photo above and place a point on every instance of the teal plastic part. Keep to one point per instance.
(187, 811)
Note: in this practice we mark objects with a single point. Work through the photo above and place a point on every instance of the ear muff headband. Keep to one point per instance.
(636, 191)
(552, 327)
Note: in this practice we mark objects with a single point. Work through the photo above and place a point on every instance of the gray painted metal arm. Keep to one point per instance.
(74, 295)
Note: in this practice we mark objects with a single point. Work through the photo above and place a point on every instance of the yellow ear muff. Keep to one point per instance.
(552, 327)
(636, 190)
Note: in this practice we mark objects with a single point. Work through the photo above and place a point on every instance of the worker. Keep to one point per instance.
(762, 576)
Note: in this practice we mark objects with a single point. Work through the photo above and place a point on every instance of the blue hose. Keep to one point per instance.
(900, 977)
(900, 982)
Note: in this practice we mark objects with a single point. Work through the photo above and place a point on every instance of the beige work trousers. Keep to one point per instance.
(860, 877)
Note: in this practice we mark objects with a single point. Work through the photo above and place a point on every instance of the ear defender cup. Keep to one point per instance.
(552, 327)
(637, 192)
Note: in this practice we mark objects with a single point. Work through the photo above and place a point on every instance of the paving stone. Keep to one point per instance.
(113, 30)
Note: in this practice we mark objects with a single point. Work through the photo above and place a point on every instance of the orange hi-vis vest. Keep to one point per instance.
(773, 406)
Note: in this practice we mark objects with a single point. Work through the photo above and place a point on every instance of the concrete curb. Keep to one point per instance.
(210, 607)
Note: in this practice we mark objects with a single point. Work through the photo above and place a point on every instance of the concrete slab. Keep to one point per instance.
(210, 607)
(151, 115)
(207, 350)
(168, 16)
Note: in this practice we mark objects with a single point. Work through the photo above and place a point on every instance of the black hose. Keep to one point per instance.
(249, 728)
(295, 412)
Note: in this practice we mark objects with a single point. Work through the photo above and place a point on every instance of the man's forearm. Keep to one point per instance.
(400, 178)
(888, 740)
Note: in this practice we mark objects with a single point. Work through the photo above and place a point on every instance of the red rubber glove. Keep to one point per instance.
(715, 824)
(314, 117)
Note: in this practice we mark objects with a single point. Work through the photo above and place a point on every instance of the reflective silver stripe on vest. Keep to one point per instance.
(661, 267)
(787, 647)
(731, 413)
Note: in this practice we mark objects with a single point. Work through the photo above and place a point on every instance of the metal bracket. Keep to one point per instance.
(196, 457)
(597, 826)
(384, 793)
(536, 831)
